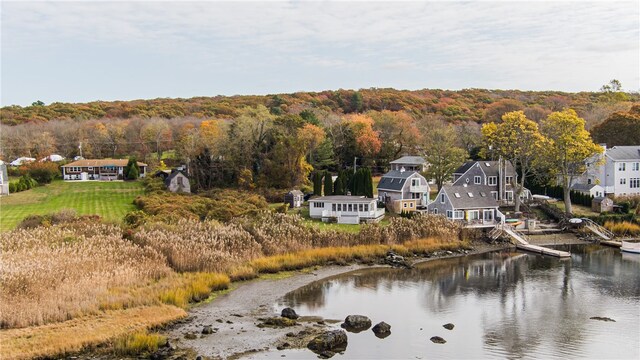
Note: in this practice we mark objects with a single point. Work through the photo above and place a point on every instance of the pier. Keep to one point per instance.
(522, 241)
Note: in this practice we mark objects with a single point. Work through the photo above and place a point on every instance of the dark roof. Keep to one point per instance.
(481, 196)
(583, 187)
(490, 168)
(599, 199)
(412, 160)
(624, 152)
(350, 198)
(394, 180)
(174, 173)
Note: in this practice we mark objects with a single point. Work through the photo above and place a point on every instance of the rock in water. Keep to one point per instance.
(329, 343)
(601, 318)
(382, 330)
(289, 313)
(396, 260)
(448, 326)
(438, 340)
(356, 323)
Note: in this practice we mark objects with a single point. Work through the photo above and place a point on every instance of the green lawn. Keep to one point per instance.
(110, 200)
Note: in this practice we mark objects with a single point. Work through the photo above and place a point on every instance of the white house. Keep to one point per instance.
(471, 204)
(403, 190)
(4, 179)
(345, 209)
(594, 190)
(617, 170)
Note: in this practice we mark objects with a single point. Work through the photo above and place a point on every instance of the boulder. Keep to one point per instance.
(289, 313)
(356, 323)
(396, 260)
(438, 340)
(382, 330)
(207, 330)
(448, 326)
(277, 322)
(329, 343)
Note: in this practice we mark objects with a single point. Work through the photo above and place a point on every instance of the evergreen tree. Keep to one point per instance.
(368, 189)
(339, 185)
(328, 184)
(317, 183)
(131, 170)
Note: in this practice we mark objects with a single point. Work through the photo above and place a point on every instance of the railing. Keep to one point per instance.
(363, 214)
(419, 188)
(598, 229)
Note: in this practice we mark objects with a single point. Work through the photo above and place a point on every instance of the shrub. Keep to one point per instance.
(43, 172)
(624, 228)
(283, 208)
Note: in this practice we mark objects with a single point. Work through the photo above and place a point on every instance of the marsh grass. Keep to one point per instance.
(624, 228)
(138, 342)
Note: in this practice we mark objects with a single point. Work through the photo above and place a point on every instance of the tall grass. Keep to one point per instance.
(623, 228)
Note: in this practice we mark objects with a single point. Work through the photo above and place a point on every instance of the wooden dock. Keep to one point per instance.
(523, 244)
(611, 243)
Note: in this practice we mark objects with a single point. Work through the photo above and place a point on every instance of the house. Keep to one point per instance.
(294, 198)
(617, 170)
(402, 190)
(500, 176)
(589, 189)
(21, 161)
(98, 169)
(601, 204)
(471, 204)
(345, 209)
(409, 163)
(177, 181)
(4, 179)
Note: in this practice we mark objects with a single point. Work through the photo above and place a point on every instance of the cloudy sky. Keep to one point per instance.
(87, 50)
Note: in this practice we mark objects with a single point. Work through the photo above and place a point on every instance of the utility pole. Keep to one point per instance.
(80, 147)
(354, 164)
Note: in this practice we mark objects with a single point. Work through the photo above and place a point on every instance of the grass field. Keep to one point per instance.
(110, 200)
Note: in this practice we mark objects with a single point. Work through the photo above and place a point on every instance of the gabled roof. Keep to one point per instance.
(624, 153)
(583, 187)
(412, 160)
(343, 198)
(296, 192)
(480, 197)
(173, 174)
(490, 168)
(100, 162)
(394, 180)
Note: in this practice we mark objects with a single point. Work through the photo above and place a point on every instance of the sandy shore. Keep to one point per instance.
(234, 316)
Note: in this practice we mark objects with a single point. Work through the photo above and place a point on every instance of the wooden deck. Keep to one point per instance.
(523, 244)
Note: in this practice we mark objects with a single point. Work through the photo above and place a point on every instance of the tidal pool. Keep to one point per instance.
(503, 305)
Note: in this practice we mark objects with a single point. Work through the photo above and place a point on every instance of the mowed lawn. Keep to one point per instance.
(110, 200)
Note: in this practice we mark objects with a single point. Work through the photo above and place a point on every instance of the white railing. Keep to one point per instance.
(598, 229)
(362, 214)
(419, 188)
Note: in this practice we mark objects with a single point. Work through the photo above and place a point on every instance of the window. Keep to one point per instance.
(483, 194)
(509, 179)
(411, 205)
(623, 181)
(494, 194)
(589, 181)
(477, 180)
(622, 166)
(449, 214)
(435, 211)
(318, 204)
(509, 195)
(634, 183)
(359, 207)
(404, 205)
(442, 198)
(333, 207)
(470, 194)
(366, 207)
(456, 195)
(350, 207)
(75, 169)
(493, 180)
(90, 168)
(635, 166)
(415, 182)
(339, 207)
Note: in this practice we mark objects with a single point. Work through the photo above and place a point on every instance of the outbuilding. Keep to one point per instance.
(601, 204)
(294, 198)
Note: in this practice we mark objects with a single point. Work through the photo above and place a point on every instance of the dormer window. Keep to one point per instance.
(457, 195)
(470, 194)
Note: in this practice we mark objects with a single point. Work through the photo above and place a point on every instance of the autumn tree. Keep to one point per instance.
(367, 140)
(516, 139)
(568, 148)
(441, 153)
(247, 138)
(495, 111)
(621, 128)
(397, 131)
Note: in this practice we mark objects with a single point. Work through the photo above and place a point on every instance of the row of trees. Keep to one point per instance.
(358, 183)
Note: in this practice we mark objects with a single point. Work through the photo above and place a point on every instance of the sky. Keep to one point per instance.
(119, 50)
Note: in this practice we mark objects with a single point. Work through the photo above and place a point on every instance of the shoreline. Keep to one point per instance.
(234, 315)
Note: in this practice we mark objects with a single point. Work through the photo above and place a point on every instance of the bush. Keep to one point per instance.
(12, 187)
(282, 209)
(43, 172)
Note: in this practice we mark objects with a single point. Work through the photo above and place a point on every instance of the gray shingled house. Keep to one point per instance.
(471, 204)
(499, 176)
(177, 181)
(402, 190)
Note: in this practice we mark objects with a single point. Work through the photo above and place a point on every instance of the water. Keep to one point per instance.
(504, 305)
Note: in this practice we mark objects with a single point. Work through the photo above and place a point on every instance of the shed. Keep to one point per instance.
(601, 204)
(177, 181)
(294, 198)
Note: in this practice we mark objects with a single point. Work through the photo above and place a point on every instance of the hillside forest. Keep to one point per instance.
(276, 141)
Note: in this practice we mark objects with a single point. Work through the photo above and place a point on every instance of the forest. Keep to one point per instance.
(275, 141)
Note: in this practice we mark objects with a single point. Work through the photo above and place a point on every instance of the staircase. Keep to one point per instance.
(597, 229)
(518, 236)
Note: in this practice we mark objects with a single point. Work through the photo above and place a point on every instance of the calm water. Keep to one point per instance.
(503, 305)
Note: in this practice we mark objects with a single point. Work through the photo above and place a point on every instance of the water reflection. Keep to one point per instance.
(504, 304)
